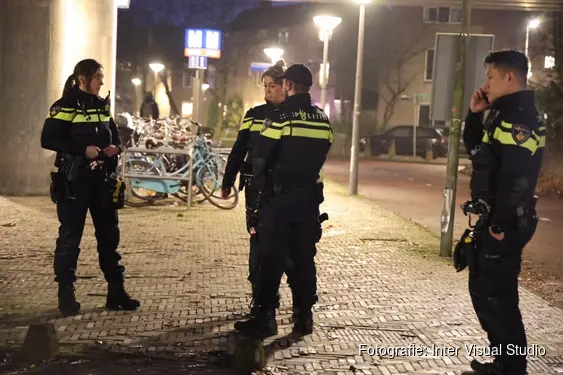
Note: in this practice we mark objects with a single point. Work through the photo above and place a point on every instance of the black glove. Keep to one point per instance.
(322, 218)
(462, 250)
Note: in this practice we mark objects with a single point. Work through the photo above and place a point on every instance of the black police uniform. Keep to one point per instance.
(506, 150)
(75, 122)
(240, 160)
(289, 155)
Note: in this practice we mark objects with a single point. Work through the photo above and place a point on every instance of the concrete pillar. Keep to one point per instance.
(40, 42)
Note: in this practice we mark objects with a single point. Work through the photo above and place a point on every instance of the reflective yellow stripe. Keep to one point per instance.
(307, 133)
(541, 141)
(256, 127)
(485, 138)
(93, 118)
(274, 131)
(64, 115)
(246, 123)
(504, 136)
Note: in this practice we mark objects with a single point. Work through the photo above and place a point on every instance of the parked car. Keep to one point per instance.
(445, 131)
(403, 137)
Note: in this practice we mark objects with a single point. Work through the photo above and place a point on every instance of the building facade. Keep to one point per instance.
(406, 64)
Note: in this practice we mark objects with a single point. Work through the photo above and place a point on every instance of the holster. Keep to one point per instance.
(59, 189)
(117, 189)
(245, 176)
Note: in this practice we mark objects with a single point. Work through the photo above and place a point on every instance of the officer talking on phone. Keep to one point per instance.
(506, 149)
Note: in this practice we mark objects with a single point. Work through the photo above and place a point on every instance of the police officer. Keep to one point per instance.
(287, 160)
(82, 132)
(240, 159)
(506, 149)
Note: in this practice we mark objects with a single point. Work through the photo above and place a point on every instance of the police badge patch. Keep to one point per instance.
(521, 134)
(55, 110)
(267, 123)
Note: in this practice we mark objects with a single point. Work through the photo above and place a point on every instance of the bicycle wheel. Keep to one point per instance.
(143, 197)
(209, 185)
(197, 195)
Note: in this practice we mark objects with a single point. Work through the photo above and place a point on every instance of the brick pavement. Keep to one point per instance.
(380, 283)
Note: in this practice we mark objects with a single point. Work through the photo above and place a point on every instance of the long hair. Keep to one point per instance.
(86, 68)
(275, 72)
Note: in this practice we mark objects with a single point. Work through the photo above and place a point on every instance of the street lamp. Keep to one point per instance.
(156, 67)
(136, 82)
(533, 24)
(205, 86)
(354, 152)
(326, 25)
(274, 53)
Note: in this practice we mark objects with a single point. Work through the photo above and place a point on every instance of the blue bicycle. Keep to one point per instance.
(207, 175)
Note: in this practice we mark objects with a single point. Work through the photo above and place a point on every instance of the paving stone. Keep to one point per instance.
(380, 282)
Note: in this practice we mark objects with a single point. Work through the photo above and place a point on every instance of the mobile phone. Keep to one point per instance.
(485, 98)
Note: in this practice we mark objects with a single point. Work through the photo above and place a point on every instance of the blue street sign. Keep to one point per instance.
(202, 42)
(259, 66)
(197, 62)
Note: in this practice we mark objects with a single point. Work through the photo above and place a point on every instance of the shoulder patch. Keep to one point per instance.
(267, 123)
(521, 133)
(54, 110)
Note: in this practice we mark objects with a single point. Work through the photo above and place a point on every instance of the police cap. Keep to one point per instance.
(300, 74)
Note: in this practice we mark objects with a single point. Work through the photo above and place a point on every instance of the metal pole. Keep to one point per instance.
(324, 82)
(527, 40)
(448, 208)
(353, 182)
(196, 95)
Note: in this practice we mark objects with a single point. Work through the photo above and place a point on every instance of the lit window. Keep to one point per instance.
(442, 15)
(428, 74)
(187, 109)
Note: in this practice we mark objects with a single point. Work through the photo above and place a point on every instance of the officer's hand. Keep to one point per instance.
(225, 193)
(111, 151)
(498, 237)
(92, 152)
(478, 103)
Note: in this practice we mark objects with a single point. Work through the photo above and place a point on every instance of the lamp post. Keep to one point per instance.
(533, 24)
(274, 53)
(354, 151)
(136, 82)
(156, 67)
(326, 25)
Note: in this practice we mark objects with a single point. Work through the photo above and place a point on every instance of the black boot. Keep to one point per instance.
(67, 300)
(119, 299)
(489, 368)
(254, 307)
(260, 326)
(303, 321)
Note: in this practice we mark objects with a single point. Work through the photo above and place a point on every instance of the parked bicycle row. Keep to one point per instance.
(171, 158)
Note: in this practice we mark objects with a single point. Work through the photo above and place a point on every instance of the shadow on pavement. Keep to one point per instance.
(177, 351)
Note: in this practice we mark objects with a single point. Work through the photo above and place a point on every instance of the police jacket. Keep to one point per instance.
(506, 149)
(77, 121)
(292, 146)
(241, 154)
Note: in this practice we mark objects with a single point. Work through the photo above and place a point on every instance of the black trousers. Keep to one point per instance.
(88, 192)
(288, 229)
(254, 259)
(494, 293)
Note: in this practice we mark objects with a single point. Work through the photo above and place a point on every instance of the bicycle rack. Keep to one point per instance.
(158, 151)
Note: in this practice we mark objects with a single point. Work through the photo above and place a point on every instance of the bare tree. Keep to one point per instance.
(403, 37)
